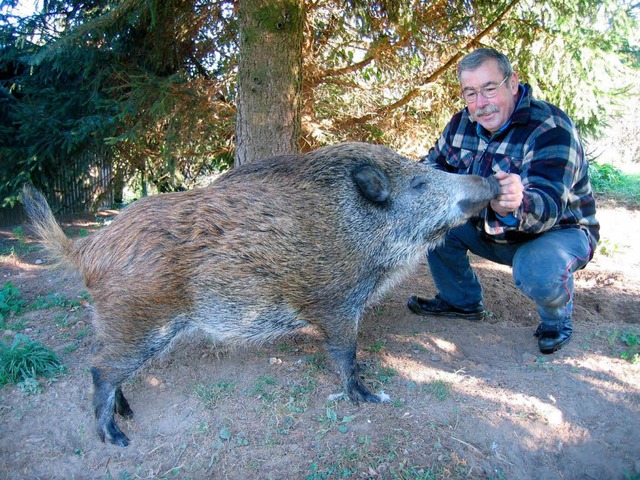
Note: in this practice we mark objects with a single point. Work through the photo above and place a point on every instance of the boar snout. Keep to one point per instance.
(478, 193)
(493, 184)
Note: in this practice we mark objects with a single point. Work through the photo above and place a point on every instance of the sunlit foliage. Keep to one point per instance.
(151, 85)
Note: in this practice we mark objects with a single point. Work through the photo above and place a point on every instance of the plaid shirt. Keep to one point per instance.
(539, 143)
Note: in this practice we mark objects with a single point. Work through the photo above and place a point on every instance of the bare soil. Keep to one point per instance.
(468, 400)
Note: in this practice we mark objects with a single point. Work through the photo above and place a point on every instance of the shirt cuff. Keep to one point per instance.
(510, 220)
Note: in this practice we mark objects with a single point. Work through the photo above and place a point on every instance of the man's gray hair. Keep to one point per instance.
(473, 60)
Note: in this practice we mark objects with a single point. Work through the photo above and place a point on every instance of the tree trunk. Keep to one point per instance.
(269, 78)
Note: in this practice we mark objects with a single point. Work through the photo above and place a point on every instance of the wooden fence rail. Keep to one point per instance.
(74, 190)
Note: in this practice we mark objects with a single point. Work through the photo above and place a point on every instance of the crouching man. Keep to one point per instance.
(543, 223)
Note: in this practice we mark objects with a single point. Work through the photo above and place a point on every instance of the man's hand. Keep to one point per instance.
(511, 195)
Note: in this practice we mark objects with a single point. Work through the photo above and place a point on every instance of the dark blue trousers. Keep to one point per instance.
(542, 268)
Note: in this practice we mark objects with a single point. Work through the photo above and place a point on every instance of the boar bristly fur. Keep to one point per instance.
(267, 248)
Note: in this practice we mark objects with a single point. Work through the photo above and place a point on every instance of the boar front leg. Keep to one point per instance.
(342, 348)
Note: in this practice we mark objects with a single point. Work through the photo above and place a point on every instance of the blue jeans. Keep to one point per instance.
(542, 268)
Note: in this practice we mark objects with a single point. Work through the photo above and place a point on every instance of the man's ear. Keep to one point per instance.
(514, 83)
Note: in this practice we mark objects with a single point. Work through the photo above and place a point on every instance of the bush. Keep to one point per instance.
(604, 176)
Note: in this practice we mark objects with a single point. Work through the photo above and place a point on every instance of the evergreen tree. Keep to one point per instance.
(155, 86)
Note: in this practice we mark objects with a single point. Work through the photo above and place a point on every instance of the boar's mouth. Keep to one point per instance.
(471, 207)
(486, 189)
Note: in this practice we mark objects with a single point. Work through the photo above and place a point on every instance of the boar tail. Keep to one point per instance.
(45, 226)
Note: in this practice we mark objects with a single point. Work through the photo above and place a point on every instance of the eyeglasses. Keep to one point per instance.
(470, 96)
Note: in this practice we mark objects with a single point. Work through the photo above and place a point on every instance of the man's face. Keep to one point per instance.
(492, 113)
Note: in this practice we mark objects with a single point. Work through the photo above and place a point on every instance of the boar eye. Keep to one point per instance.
(418, 183)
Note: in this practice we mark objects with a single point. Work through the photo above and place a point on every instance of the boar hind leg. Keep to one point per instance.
(343, 353)
(108, 399)
(122, 407)
(113, 367)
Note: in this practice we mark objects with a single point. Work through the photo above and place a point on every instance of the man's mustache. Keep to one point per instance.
(486, 110)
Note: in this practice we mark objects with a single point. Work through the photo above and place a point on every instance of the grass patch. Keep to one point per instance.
(18, 232)
(10, 302)
(298, 395)
(627, 344)
(25, 361)
(608, 248)
(385, 458)
(211, 395)
(62, 320)
(18, 246)
(612, 183)
(377, 347)
(631, 352)
(53, 300)
(263, 389)
(623, 344)
(383, 375)
(331, 421)
(83, 332)
(440, 389)
(317, 362)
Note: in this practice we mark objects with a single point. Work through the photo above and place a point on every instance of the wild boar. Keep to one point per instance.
(267, 248)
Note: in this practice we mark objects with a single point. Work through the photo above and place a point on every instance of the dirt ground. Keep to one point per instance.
(468, 400)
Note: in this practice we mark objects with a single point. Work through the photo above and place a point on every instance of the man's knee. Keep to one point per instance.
(545, 283)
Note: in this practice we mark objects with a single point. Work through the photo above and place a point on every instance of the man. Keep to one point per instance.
(542, 224)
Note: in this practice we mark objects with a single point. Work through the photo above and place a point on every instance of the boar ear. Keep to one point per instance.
(372, 182)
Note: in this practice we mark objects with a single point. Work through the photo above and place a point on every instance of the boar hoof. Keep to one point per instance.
(111, 433)
(359, 393)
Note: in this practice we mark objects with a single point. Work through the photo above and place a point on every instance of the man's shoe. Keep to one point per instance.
(437, 306)
(551, 339)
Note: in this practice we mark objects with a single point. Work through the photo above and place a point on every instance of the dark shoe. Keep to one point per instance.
(437, 306)
(550, 339)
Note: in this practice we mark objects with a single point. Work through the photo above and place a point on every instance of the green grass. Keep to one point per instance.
(25, 360)
(211, 395)
(385, 374)
(19, 246)
(440, 389)
(611, 182)
(626, 343)
(623, 344)
(331, 420)
(608, 248)
(264, 388)
(10, 302)
(298, 394)
(317, 362)
(631, 350)
(53, 300)
(18, 232)
(377, 347)
(384, 458)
